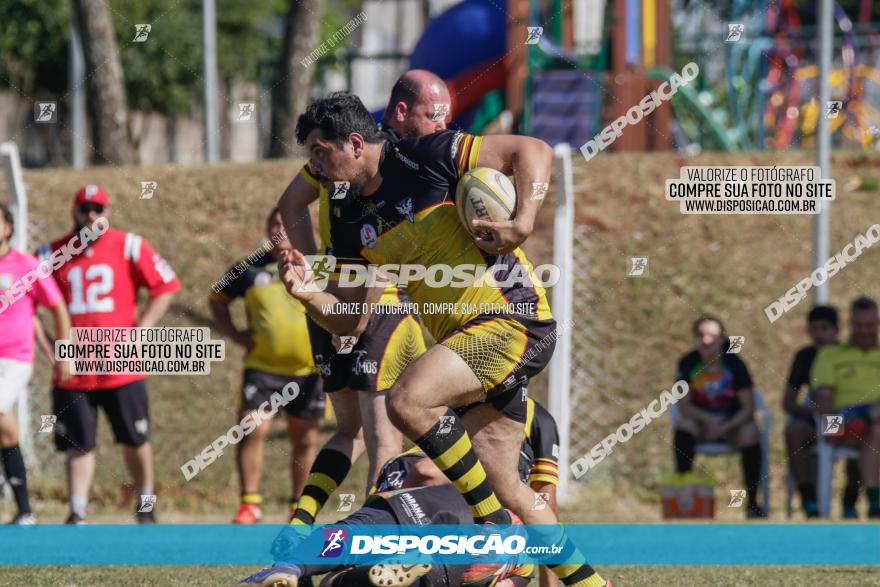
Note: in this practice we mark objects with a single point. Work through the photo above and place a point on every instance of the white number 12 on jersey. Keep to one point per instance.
(101, 278)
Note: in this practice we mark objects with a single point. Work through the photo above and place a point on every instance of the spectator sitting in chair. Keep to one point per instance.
(800, 430)
(846, 380)
(719, 407)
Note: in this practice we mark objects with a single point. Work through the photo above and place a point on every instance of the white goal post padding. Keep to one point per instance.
(563, 295)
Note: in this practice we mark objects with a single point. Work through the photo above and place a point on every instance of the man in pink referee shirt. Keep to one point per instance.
(19, 299)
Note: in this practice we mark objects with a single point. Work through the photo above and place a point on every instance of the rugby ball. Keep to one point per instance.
(486, 194)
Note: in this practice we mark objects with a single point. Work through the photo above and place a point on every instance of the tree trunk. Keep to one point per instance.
(293, 82)
(106, 85)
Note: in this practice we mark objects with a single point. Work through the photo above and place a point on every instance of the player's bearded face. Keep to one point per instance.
(332, 161)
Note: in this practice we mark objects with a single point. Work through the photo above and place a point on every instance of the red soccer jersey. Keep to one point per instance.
(100, 286)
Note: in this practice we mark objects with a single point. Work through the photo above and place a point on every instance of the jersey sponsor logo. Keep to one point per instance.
(407, 161)
(5, 281)
(406, 209)
(413, 509)
(394, 480)
(324, 366)
(249, 391)
(555, 450)
(368, 236)
(363, 366)
(370, 207)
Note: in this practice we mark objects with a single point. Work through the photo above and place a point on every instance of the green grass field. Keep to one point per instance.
(623, 576)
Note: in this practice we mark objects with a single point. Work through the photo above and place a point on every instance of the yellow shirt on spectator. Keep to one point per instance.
(852, 373)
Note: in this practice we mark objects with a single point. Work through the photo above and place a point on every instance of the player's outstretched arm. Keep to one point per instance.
(294, 207)
(323, 306)
(530, 161)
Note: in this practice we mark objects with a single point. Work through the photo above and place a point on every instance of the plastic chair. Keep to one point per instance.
(723, 448)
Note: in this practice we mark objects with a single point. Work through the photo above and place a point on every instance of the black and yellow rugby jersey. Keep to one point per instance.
(391, 295)
(276, 320)
(538, 455)
(411, 219)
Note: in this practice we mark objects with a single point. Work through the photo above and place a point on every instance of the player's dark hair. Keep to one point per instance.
(823, 314)
(8, 217)
(337, 116)
(405, 90)
(725, 342)
(863, 303)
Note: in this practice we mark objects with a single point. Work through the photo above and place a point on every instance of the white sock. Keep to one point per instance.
(78, 505)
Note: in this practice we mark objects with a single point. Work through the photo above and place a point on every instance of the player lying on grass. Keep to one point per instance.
(399, 209)
(410, 480)
(358, 376)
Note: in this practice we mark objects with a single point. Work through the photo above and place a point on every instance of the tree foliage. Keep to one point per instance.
(163, 74)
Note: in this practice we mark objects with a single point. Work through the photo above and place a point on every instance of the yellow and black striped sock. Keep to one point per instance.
(328, 472)
(575, 575)
(573, 571)
(452, 452)
(252, 498)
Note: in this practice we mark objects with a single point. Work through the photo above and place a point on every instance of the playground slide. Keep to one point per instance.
(465, 46)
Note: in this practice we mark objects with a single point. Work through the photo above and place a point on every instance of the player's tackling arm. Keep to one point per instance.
(294, 207)
(530, 161)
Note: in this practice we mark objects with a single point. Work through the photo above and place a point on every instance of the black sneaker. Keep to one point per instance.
(145, 517)
(75, 519)
(755, 512)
